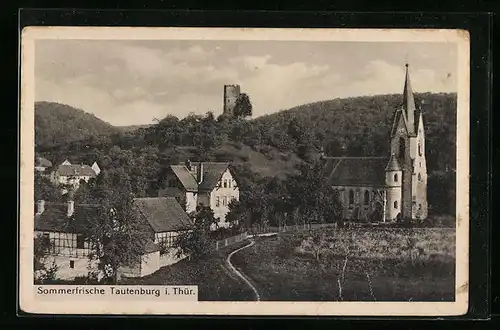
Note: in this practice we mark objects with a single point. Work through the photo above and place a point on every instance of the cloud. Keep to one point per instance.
(133, 82)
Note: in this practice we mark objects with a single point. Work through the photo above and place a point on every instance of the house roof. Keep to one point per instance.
(76, 170)
(163, 213)
(185, 177)
(356, 171)
(212, 172)
(40, 161)
(55, 219)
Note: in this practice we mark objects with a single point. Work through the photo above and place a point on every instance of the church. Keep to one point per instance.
(389, 188)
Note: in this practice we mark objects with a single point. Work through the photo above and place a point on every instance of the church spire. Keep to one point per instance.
(409, 103)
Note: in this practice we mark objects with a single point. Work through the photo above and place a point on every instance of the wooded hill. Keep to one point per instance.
(261, 148)
(57, 124)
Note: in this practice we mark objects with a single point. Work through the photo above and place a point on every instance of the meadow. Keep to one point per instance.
(356, 264)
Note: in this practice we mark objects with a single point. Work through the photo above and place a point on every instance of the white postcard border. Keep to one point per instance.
(31, 304)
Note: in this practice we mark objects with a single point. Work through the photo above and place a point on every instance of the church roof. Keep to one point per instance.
(393, 164)
(356, 171)
(408, 108)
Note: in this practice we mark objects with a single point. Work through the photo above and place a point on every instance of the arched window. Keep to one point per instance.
(351, 197)
(419, 150)
(402, 149)
(367, 197)
(419, 177)
(395, 177)
(395, 204)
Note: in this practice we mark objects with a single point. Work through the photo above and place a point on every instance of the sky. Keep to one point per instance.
(132, 82)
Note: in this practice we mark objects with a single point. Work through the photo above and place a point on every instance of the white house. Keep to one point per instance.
(70, 175)
(202, 183)
(165, 220)
(41, 164)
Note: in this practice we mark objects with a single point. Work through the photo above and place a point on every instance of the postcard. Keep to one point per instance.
(255, 171)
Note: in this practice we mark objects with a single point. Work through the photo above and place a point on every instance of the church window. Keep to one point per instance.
(367, 197)
(351, 197)
(225, 183)
(229, 183)
(419, 177)
(217, 201)
(224, 200)
(419, 150)
(396, 177)
(402, 148)
(395, 204)
(71, 264)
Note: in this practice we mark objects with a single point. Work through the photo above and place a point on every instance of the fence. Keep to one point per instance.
(292, 228)
(230, 240)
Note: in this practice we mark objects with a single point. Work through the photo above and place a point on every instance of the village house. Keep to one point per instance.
(69, 176)
(393, 187)
(202, 183)
(42, 164)
(163, 220)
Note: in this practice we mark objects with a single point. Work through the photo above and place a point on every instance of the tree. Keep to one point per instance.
(196, 242)
(243, 106)
(44, 189)
(114, 230)
(42, 247)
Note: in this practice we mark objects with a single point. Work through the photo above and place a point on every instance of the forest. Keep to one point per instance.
(265, 152)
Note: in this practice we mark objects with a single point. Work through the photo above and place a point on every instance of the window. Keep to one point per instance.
(367, 197)
(225, 183)
(402, 149)
(396, 177)
(395, 204)
(71, 264)
(419, 150)
(419, 177)
(229, 183)
(80, 242)
(351, 197)
(217, 201)
(224, 200)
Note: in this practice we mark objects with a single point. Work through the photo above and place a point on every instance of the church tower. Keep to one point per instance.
(408, 146)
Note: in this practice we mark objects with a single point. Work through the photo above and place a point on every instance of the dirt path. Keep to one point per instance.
(240, 274)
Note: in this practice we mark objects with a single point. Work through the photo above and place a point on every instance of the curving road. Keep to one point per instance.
(241, 275)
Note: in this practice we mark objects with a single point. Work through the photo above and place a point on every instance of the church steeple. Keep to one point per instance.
(409, 103)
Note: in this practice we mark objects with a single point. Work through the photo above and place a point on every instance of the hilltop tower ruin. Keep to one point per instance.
(231, 94)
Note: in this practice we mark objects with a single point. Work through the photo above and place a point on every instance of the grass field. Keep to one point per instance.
(354, 265)
(215, 281)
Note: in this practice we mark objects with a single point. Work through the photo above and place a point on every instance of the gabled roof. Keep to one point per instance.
(43, 162)
(163, 213)
(185, 177)
(55, 219)
(212, 173)
(76, 170)
(355, 171)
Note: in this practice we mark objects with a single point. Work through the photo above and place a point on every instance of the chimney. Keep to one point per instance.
(71, 208)
(40, 207)
(200, 173)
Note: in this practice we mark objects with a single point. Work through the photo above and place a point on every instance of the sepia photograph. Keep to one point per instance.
(244, 171)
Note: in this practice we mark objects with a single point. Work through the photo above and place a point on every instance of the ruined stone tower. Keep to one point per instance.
(408, 146)
(231, 93)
